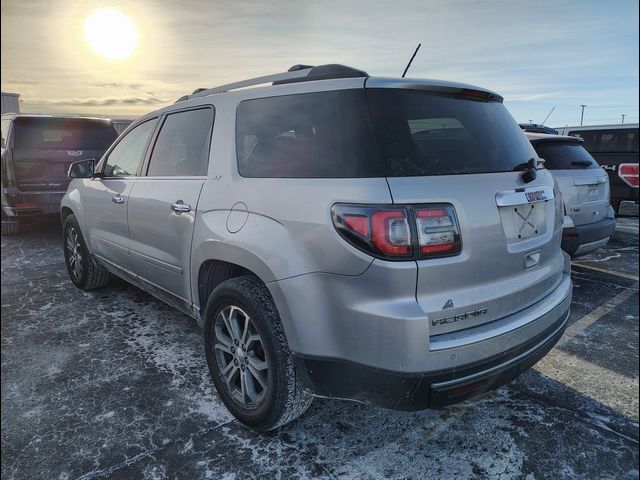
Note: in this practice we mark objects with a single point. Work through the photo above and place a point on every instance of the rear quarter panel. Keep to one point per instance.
(279, 228)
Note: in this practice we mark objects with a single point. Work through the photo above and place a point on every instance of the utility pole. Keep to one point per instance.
(582, 114)
(530, 122)
(623, 115)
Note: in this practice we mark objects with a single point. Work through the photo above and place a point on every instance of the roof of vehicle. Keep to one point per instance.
(536, 138)
(306, 73)
(49, 115)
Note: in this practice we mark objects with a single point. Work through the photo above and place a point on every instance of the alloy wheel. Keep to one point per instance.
(240, 356)
(74, 252)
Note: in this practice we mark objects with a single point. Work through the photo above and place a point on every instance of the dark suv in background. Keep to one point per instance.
(37, 151)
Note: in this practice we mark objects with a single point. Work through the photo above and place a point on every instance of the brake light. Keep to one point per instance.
(470, 93)
(628, 172)
(390, 232)
(358, 224)
(8, 178)
(399, 232)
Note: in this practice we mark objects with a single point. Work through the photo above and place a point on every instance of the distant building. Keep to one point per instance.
(10, 103)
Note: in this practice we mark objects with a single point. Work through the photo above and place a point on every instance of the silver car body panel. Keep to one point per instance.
(585, 192)
(336, 301)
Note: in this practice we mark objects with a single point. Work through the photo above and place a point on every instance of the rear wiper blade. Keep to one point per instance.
(530, 168)
(521, 166)
(584, 163)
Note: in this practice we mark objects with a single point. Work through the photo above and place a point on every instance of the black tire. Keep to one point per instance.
(284, 398)
(10, 227)
(89, 275)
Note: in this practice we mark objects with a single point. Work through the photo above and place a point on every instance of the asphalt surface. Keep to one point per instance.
(114, 384)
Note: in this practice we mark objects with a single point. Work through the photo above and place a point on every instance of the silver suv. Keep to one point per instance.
(589, 220)
(390, 241)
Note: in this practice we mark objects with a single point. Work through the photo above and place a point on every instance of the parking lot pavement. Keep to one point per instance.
(113, 384)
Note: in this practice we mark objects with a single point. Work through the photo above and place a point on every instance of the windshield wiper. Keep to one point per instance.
(583, 163)
(530, 168)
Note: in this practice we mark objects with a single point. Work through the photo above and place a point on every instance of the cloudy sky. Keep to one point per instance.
(537, 54)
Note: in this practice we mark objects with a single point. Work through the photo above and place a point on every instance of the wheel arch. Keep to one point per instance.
(215, 262)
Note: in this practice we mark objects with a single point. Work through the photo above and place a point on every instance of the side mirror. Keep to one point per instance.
(82, 169)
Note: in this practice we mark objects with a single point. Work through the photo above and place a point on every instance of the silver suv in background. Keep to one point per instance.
(589, 218)
(384, 240)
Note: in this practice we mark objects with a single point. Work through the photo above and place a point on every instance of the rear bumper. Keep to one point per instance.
(411, 371)
(27, 205)
(431, 389)
(582, 239)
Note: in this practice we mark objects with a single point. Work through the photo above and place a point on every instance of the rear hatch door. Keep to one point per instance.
(45, 170)
(584, 185)
(45, 147)
(470, 154)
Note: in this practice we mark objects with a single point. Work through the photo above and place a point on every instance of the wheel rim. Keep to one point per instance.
(74, 252)
(240, 356)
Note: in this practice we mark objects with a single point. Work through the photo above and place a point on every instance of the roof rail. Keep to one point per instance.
(201, 92)
(297, 73)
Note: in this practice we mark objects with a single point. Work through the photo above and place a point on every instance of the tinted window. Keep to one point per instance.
(125, 157)
(424, 133)
(311, 135)
(565, 156)
(63, 133)
(618, 140)
(180, 147)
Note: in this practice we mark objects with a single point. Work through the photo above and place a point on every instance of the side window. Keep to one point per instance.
(307, 135)
(125, 157)
(180, 150)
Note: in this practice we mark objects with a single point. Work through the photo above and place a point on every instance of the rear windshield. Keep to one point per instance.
(63, 133)
(565, 156)
(376, 133)
(424, 133)
(615, 140)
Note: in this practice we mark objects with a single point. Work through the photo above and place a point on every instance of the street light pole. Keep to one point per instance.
(582, 114)
(623, 115)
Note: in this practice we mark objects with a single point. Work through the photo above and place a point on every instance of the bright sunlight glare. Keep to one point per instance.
(111, 33)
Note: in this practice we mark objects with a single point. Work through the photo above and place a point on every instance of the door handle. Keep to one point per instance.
(180, 207)
(117, 199)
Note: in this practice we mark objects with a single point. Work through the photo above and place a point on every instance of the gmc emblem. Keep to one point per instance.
(537, 196)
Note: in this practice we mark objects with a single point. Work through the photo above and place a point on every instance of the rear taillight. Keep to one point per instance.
(408, 232)
(8, 178)
(437, 230)
(628, 172)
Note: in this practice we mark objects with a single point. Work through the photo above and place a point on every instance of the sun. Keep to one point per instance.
(111, 33)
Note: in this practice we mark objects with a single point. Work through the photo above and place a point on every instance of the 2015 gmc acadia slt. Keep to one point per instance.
(391, 241)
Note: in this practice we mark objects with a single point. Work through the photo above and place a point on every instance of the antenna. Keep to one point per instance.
(623, 115)
(547, 117)
(411, 60)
